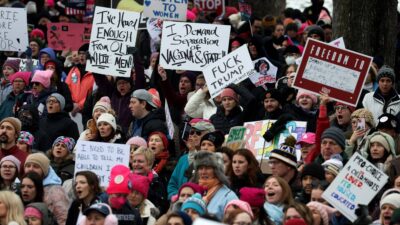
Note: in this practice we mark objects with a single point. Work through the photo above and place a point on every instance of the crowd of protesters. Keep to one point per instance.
(175, 179)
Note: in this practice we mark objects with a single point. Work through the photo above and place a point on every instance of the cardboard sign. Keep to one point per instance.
(265, 72)
(236, 138)
(341, 73)
(168, 119)
(208, 5)
(357, 183)
(192, 46)
(262, 149)
(13, 29)
(100, 157)
(63, 36)
(233, 68)
(167, 10)
(339, 42)
(113, 36)
(23, 63)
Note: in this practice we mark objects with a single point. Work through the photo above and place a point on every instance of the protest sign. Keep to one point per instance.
(14, 29)
(111, 42)
(233, 68)
(236, 138)
(154, 27)
(64, 36)
(357, 183)
(23, 63)
(167, 10)
(262, 149)
(192, 46)
(201, 221)
(265, 72)
(168, 119)
(339, 42)
(341, 73)
(100, 157)
(208, 5)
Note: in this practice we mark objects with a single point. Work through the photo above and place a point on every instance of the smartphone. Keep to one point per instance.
(361, 124)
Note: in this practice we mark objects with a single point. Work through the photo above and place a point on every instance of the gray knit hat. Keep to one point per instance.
(214, 160)
(60, 99)
(386, 71)
(335, 134)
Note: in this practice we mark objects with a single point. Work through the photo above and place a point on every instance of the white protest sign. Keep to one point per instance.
(13, 29)
(167, 10)
(265, 72)
(339, 42)
(23, 63)
(357, 183)
(232, 68)
(168, 119)
(100, 157)
(154, 27)
(192, 46)
(113, 35)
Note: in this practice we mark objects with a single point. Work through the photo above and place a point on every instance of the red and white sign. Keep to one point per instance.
(340, 73)
(208, 5)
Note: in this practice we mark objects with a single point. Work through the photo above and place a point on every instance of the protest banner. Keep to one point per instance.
(23, 63)
(64, 36)
(208, 5)
(357, 183)
(168, 120)
(339, 42)
(233, 68)
(14, 29)
(340, 73)
(112, 40)
(192, 46)
(166, 10)
(262, 149)
(236, 138)
(100, 157)
(265, 72)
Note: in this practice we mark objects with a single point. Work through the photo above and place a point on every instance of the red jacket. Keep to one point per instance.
(79, 86)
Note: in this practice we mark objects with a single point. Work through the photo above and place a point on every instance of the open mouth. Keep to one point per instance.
(25, 196)
(271, 194)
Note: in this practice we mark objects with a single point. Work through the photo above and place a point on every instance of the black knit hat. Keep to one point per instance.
(388, 120)
(275, 94)
(386, 71)
(335, 134)
(286, 154)
(216, 137)
(315, 170)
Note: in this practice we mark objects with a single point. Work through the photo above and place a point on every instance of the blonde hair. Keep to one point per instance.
(148, 155)
(15, 207)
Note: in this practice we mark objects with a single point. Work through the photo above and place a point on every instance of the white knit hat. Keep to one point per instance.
(108, 118)
(334, 164)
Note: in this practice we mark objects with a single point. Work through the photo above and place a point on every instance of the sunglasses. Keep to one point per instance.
(197, 132)
(35, 83)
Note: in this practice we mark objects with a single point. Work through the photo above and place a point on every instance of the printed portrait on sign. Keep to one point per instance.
(262, 67)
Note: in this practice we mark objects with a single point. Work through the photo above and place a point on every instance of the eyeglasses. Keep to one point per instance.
(197, 132)
(7, 167)
(341, 107)
(51, 101)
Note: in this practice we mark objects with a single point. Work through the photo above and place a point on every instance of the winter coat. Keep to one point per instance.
(77, 209)
(301, 115)
(378, 105)
(39, 101)
(224, 122)
(199, 107)
(154, 121)
(5, 90)
(17, 153)
(80, 84)
(220, 199)
(7, 107)
(127, 215)
(58, 124)
(55, 197)
(178, 176)
(65, 170)
(157, 194)
(148, 212)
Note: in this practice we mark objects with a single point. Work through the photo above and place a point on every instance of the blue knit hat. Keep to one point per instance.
(196, 203)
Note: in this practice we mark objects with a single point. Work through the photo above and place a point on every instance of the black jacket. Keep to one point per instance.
(154, 121)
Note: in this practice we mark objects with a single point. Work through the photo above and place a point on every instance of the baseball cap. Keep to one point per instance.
(98, 207)
(144, 95)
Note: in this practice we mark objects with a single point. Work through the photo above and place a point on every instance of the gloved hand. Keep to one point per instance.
(277, 127)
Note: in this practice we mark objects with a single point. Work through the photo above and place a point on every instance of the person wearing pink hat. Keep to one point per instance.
(9, 171)
(238, 216)
(19, 81)
(40, 90)
(307, 143)
(135, 143)
(235, 204)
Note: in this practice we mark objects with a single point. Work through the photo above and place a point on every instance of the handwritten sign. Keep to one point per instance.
(23, 63)
(265, 72)
(257, 144)
(357, 183)
(236, 138)
(192, 46)
(168, 10)
(339, 42)
(13, 29)
(208, 5)
(62, 36)
(100, 157)
(232, 68)
(341, 73)
(113, 37)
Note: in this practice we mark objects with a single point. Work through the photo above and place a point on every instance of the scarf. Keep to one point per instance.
(191, 156)
(163, 157)
(275, 212)
(212, 185)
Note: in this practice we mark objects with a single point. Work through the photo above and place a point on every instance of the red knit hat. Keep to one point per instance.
(140, 184)
(195, 187)
(120, 182)
(23, 75)
(228, 92)
(13, 63)
(295, 222)
(254, 196)
(164, 138)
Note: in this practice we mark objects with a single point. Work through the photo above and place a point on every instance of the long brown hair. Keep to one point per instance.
(287, 197)
(252, 169)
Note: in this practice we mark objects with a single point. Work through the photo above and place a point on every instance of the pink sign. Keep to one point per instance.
(64, 36)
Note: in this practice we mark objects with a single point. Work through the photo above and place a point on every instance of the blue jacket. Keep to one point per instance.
(178, 176)
(218, 202)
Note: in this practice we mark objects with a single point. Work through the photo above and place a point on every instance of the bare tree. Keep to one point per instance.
(369, 27)
(263, 7)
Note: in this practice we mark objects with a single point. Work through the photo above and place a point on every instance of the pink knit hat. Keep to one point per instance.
(140, 184)
(104, 103)
(306, 93)
(37, 33)
(242, 205)
(139, 141)
(325, 211)
(43, 77)
(120, 183)
(23, 75)
(228, 92)
(195, 187)
(254, 196)
(33, 212)
(12, 159)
